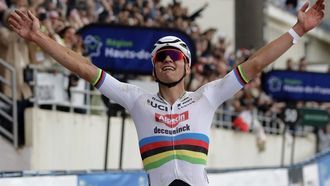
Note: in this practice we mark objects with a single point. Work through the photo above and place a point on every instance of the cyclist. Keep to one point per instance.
(173, 126)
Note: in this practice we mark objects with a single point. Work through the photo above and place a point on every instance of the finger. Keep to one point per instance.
(321, 7)
(15, 16)
(317, 5)
(14, 23)
(322, 13)
(320, 2)
(31, 16)
(304, 7)
(22, 14)
(13, 28)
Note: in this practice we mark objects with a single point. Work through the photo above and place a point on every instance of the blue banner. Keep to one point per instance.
(324, 170)
(297, 86)
(127, 178)
(126, 49)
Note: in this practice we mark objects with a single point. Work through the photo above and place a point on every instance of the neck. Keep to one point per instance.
(173, 93)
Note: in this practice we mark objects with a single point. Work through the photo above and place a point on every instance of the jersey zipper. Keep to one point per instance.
(171, 112)
(173, 144)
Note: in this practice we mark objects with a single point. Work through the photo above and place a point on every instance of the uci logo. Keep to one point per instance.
(93, 45)
(157, 106)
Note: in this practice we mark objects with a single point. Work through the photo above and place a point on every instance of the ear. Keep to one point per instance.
(188, 68)
(153, 74)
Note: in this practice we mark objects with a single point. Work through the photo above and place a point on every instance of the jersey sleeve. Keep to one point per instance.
(122, 93)
(221, 90)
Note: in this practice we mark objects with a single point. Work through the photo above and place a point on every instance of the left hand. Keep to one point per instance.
(309, 18)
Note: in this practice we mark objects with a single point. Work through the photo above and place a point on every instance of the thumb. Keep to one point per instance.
(304, 7)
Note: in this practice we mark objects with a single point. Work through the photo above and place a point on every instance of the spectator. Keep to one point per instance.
(208, 35)
(222, 44)
(289, 64)
(324, 137)
(3, 47)
(38, 57)
(16, 53)
(291, 6)
(302, 64)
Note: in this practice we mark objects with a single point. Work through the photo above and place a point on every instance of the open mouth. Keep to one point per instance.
(168, 68)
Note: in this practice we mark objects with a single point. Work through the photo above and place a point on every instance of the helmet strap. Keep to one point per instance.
(170, 85)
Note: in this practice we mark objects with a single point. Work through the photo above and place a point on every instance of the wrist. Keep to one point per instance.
(299, 29)
(36, 35)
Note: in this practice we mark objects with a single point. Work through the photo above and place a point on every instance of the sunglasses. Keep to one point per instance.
(174, 54)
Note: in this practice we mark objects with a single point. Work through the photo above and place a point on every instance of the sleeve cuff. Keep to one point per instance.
(240, 75)
(98, 79)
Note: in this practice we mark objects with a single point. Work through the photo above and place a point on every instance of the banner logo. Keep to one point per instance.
(93, 45)
(275, 84)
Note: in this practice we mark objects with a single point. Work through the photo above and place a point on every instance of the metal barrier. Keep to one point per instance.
(222, 118)
(86, 92)
(8, 104)
(271, 124)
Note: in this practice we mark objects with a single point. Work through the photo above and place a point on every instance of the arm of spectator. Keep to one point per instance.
(25, 24)
(75, 17)
(198, 12)
(107, 5)
(308, 18)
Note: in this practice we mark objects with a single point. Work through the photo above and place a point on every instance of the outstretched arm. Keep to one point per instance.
(25, 24)
(307, 20)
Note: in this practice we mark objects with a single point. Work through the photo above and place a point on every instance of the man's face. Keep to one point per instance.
(170, 65)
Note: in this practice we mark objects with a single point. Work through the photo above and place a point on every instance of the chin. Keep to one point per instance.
(168, 79)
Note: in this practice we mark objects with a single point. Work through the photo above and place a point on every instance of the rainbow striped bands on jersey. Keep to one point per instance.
(99, 79)
(158, 150)
(241, 76)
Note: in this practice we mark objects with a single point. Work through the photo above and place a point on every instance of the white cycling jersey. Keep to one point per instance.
(173, 139)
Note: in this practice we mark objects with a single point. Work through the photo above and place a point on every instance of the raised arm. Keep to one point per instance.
(25, 24)
(308, 18)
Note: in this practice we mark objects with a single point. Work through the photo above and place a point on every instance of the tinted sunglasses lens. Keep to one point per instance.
(175, 55)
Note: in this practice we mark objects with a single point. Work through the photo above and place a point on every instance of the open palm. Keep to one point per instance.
(312, 17)
(24, 23)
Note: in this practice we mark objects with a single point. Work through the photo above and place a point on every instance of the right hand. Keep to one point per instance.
(24, 23)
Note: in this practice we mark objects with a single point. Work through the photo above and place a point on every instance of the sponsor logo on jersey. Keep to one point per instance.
(177, 130)
(158, 100)
(172, 120)
(156, 105)
(186, 102)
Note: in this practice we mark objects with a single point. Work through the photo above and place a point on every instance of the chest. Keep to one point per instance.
(156, 117)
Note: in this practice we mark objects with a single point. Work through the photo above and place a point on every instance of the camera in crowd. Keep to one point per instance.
(208, 69)
(42, 16)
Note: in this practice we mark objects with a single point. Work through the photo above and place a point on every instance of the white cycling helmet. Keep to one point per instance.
(171, 42)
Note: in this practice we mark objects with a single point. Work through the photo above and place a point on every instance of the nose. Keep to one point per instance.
(168, 59)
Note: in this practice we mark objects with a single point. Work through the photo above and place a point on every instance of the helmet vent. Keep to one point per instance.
(166, 42)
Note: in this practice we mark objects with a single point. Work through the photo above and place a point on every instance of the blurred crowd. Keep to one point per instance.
(292, 6)
(60, 19)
